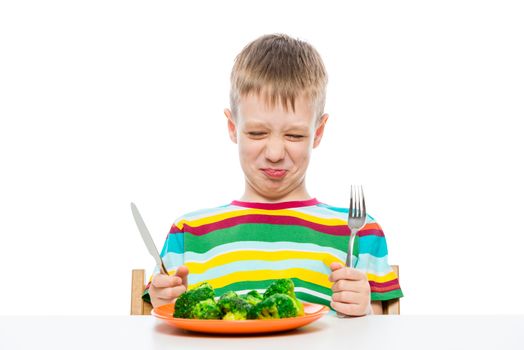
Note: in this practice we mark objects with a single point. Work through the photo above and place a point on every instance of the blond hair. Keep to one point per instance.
(279, 68)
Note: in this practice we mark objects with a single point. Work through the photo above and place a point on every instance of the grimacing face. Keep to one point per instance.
(274, 147)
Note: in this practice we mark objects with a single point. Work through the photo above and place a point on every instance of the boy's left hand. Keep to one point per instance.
(351, 291)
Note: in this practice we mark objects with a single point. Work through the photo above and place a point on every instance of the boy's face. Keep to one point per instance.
(275, 146)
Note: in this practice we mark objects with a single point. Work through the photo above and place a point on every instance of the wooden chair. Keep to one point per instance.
(139, 307)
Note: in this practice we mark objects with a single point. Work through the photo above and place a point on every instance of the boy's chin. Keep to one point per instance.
(273, 193)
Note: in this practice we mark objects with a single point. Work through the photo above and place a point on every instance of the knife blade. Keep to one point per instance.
(148, 240)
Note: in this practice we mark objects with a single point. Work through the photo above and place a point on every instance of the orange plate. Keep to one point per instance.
(312, 312)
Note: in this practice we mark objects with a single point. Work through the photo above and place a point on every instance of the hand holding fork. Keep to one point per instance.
(351, 290)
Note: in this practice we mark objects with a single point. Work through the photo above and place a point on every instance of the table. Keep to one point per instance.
(370, 332)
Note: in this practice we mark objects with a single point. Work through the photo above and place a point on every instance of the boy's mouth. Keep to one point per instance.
(274, 173)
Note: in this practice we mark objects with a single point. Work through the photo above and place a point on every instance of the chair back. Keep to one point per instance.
(138, 306)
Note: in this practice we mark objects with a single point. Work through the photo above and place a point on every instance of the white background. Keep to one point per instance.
(107, 102)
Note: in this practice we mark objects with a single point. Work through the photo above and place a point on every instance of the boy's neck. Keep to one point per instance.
(251, 196)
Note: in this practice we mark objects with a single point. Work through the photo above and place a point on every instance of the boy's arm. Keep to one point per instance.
(163, 289)
(373, 260)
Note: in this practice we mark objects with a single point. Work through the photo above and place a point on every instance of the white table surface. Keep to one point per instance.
(371, 332)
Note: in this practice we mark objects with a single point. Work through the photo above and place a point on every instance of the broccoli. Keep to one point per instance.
(252, 297)
(206, 310)
(285, 286)
(279, 301)
(274, 307)
(229, 294)
(233, 307)
(185, 303)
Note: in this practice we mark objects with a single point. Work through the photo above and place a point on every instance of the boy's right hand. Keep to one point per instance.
(165, 289)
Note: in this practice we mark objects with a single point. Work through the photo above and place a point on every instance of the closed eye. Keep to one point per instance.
(256, 133)
(295, 136)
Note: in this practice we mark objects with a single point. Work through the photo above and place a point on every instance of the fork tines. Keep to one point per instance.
(357, 204)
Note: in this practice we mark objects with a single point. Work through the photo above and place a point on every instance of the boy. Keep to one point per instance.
(276, 229)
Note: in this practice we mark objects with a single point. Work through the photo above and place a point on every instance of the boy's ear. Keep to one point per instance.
(319, 131)
(231, 126)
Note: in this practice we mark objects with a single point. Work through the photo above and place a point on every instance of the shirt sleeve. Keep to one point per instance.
(172, 254)
(372, 259)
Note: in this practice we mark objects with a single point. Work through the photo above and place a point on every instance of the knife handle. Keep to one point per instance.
(163, 269)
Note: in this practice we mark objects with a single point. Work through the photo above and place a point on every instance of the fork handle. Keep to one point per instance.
(349, 257)
(349, 262)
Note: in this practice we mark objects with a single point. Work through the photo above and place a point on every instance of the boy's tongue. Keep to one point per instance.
(275, 173)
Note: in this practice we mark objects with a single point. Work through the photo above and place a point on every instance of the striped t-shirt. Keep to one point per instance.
(243, 246)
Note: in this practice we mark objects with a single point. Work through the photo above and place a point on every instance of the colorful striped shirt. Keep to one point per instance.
(243, 246)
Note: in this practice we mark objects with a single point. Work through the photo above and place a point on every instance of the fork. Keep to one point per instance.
(356, 218)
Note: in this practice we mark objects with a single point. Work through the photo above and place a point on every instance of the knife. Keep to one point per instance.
(146, 236)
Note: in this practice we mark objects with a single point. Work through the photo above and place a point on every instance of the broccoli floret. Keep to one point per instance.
(285, 286)
(185, 303)
(255, 294)
(233, 307)
(206, 310)
(229, 294)
(281, 286)
(276, 306)
(252, 297)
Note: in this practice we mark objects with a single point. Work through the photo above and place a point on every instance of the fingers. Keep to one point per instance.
(351, 290)
(350, 309)
(165, 281)
(347, 273)
(361, 286)
(182, 272)
(179, 278)
(169, 294)
(335, 266)
(350, 297)
(165, 289)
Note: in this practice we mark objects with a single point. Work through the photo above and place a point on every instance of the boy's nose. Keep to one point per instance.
(275, 150)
